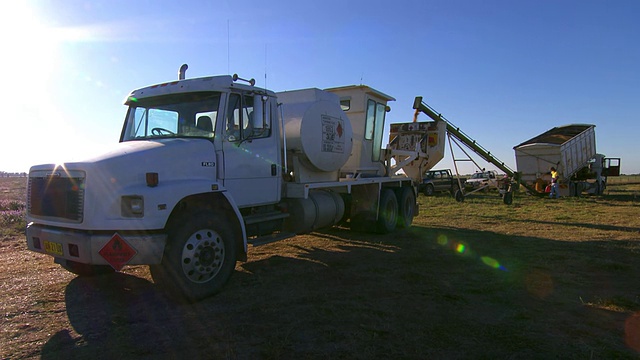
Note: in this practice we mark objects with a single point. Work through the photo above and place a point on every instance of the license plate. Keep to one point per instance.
(53, 247)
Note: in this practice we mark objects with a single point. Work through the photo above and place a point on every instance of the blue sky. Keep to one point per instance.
(503, 71)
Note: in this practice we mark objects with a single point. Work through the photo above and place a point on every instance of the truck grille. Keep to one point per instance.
(57, 197)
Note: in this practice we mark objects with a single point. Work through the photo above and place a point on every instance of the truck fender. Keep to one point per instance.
(221, 201)
(240, 222)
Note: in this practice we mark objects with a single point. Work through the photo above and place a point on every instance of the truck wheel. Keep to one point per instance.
(459, 196)
(406, 206)
(428, 190)
(388, 216)
(86, 270)
(199, 257)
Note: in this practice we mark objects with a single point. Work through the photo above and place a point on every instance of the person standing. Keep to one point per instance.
(554, 184)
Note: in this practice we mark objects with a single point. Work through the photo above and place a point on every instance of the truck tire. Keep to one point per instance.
(388, 216)
(459, 196)
(86, 270)
(199, 257)
(406, 206)
(428, 189)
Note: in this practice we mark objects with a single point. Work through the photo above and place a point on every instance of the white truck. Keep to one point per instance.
(485, 179)
(206, 166)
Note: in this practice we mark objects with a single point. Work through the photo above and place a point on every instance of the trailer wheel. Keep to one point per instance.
(406, 206)
(508, 198)
(388, 216)
(459, 196)
(428, 190)
(199, 257)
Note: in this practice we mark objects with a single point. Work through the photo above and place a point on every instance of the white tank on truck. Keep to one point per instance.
(207, 166)
(319, 134)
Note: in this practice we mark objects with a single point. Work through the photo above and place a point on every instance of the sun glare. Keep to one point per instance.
(31, 44)
(31, 58)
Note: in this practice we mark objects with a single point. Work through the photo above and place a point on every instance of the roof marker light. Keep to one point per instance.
(152, 179)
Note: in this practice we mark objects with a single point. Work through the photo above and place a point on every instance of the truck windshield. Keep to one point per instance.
(175, 115)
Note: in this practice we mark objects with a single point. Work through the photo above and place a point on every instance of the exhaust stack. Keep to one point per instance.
(182, 71)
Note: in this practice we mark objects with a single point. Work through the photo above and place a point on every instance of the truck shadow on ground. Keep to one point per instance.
(107, 311)
(420, 293)
(604, 227)
(622, 196)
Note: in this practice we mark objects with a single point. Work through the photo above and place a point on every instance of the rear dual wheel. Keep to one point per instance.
(397, 209)
(388, 211)
(406, 206)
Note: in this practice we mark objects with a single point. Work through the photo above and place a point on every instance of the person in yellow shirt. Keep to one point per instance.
(554, 184)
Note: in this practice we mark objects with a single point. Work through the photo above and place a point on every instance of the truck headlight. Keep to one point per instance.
(132, 206)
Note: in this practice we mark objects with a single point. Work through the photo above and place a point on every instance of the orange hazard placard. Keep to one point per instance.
(117, 252)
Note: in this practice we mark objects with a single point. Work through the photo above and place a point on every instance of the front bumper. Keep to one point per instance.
(84, 247)
(476, 184)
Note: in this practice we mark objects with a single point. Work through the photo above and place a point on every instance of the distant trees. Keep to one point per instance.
(4, 174)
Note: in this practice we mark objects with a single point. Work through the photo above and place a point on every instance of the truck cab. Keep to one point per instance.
(194, 151)
(234, 121)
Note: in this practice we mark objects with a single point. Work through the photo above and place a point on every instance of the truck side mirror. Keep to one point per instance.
(260, 112)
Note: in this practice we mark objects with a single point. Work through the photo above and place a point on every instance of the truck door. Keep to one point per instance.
(251, 153)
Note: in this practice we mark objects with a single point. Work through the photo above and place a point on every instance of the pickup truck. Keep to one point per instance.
(439, 180)
(484, 179)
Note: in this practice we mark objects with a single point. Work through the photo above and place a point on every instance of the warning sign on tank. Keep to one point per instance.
(332, 134)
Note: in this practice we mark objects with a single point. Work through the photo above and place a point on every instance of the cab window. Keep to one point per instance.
(374, 127)
(246, 121)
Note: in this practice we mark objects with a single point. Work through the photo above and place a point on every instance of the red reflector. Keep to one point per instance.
(73, 250)
(152, 179)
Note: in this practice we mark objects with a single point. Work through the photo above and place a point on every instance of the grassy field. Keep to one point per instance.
(538, 279)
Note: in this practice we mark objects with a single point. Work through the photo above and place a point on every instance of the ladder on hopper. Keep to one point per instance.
(459, 135)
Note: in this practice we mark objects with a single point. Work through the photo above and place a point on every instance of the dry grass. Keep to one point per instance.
(535, 280)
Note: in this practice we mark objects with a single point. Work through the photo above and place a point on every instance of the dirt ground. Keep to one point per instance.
(540, 279)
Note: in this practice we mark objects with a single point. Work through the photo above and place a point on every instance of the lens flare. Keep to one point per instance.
(493, 263)
(463, 249)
